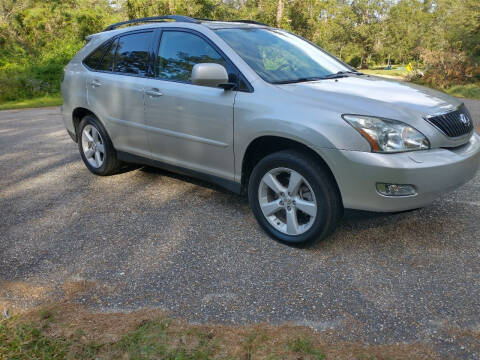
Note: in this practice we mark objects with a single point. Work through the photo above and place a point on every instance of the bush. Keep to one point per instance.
(36, 76)
(355, 61)
(38, 39)
(443, 68)
(29, 81)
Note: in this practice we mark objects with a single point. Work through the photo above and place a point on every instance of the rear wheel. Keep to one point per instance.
(96, 147)
(294, 198)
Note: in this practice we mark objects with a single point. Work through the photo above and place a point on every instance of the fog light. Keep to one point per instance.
(396, 189)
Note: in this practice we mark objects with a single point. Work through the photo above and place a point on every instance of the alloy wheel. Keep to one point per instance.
(93, 146)
(287, 201)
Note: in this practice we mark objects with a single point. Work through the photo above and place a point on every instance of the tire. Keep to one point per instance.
(100, 163)
(316, 204)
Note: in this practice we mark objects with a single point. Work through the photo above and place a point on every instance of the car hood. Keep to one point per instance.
(375, 96)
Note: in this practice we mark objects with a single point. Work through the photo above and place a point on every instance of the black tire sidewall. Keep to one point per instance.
(108, 149)
(321, 184)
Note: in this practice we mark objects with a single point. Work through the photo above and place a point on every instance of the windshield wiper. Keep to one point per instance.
(304, 79)
(311, 78)
(339, 74)
(351, 72)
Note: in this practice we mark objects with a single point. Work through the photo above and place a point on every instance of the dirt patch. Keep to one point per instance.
(14, 293)
(64, 319)
(23, 295)
(20, 289)
(74, 290)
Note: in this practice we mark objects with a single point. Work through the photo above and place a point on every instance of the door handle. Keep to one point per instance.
(95, 83)
(153, 93)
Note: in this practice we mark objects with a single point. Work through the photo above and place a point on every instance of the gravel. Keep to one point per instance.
(150, 238)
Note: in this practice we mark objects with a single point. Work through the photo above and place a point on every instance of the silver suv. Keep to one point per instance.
(263, 112)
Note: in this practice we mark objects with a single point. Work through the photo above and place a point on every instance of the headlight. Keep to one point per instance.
(385, 135)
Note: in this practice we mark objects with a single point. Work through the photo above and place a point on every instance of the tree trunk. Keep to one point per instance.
(279, 12)
(363, 62)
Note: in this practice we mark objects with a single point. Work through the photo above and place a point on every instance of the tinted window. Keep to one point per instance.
(180, 51)
(94, 58)
(106, 63)
(133, 53)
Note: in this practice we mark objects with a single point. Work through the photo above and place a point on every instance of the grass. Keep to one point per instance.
(48, 100)
(66, 331)
(471, 91)
(305, 347)
(399, 72)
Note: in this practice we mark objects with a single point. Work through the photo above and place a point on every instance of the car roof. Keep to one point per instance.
(178, 21)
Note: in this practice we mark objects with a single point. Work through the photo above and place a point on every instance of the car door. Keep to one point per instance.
(191, 126)
(116, 90)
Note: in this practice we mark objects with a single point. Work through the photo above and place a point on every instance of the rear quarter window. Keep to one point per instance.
(93, 60)
(106, 64)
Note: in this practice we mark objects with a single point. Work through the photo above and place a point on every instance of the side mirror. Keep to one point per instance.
(210, 74)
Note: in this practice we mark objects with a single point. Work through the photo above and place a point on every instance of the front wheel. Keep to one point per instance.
(294, 197)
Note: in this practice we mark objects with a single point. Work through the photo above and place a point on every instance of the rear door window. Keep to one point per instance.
(133, 53)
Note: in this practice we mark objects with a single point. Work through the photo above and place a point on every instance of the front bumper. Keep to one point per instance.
(433, 172)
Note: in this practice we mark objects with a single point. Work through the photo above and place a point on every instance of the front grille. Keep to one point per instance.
(454, 123)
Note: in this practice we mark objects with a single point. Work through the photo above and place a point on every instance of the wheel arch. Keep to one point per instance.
(78, 114)
(268, 144)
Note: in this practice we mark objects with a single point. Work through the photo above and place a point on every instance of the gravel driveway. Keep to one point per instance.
(148, 238)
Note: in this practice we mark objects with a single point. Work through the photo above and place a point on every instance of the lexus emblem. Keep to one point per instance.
(464, 119)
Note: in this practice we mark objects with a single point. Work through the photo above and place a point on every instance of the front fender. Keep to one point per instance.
(257, 115)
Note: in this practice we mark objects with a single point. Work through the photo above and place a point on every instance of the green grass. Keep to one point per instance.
(26, 341)
(471, 91)
(399, 71)
(305, 347)
(161, 338)
(69, 332)
(150, 340)
(153, 340)
(48, 100)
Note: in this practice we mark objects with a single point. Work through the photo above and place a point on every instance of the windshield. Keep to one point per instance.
(280, 57)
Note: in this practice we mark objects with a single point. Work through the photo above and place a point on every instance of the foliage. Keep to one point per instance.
(38, 37)
(447, 67)
(42, 101)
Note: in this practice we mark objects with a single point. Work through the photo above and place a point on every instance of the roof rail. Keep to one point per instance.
(178, 18)
(249, 22)
(239, 21)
